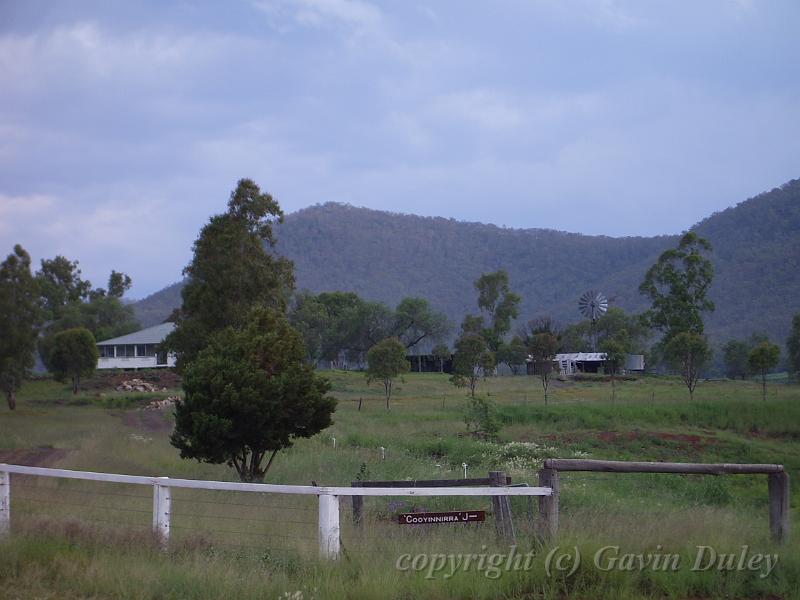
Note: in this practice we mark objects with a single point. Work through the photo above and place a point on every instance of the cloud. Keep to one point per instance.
(615, 15)
(16, 212)
(135, 232)
(488, 109)
(358, 16)
(70, 55)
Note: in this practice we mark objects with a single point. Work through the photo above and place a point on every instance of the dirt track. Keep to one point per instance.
(33, 457)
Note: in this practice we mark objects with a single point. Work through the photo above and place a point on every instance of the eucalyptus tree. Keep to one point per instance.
(387, 361)
(690, 353)
(762, 359)
(677, 286)
(20, 319)
(499, 303)
(73, 356)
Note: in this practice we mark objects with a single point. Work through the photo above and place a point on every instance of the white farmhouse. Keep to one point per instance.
(136, 350)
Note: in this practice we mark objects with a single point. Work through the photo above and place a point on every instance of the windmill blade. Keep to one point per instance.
(593, 304)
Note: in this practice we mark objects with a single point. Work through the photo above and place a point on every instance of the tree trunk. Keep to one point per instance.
(613, 390)
(419, 363)
(544, 386)
(11, 396)
(441, 365)
(387, 386)
(250, 471)
(269, 464)
(76, 384)
(764, 385)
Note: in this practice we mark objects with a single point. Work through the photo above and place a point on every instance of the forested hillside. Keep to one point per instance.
(386, 256)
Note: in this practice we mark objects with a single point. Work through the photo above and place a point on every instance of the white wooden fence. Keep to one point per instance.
(329, 540)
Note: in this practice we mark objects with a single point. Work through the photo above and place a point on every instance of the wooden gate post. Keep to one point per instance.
(162, 511)
(5, 503)
(329, 542)
(501, 507)
(358, 505)
(548, 505)
(778, 485)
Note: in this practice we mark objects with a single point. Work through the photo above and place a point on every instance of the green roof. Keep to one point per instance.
(151, 335)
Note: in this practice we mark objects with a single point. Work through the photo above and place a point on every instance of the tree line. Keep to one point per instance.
(342, 325)
(59, 315)
(676, 286)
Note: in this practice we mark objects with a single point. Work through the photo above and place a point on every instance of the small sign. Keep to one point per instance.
(434, 518)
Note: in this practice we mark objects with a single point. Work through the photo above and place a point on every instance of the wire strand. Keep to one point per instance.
(60, 490)
(240, 532)
(58, 502)
(84, 518)
(235, 518)
(279, 507)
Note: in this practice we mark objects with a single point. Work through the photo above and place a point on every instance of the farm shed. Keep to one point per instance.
(428, 363)
(580, 362)
(137, 350)
(589, 362)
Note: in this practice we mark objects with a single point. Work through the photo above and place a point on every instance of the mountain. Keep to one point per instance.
(388, 256)
(155, 308)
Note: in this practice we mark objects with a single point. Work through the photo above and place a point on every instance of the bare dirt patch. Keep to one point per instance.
(148, 420)
(696, 442)
(689, 441)
(42, 456)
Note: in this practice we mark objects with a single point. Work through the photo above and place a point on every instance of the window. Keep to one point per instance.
(106, 351)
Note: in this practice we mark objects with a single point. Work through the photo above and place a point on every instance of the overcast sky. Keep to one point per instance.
(125, 125)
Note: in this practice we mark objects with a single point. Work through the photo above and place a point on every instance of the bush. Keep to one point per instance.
(481, 417)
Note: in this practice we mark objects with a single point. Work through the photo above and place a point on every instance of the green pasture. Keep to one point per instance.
(76, 539)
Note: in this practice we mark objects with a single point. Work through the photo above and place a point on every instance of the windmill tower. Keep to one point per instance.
(593, 305)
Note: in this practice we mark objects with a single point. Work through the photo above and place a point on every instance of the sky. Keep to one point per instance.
(125, 125)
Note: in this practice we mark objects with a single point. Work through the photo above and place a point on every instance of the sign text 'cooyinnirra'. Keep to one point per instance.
(435, 518)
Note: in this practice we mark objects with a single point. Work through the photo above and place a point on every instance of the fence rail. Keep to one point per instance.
(619, 466)
(328, 514)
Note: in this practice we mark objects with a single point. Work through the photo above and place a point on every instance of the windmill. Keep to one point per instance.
(593, 305)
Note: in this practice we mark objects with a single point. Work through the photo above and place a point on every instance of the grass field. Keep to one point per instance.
(75, 539)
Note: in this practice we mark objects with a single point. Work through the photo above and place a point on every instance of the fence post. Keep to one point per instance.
(548, 505)
(162, 509)
(5, 503)
(501, 506)
(329, 543)
(778, 484)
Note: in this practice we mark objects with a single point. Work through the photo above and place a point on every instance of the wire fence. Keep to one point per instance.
(255, 518)
(204, 519)
(110, 513)
(288, 520)
(259, 522)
